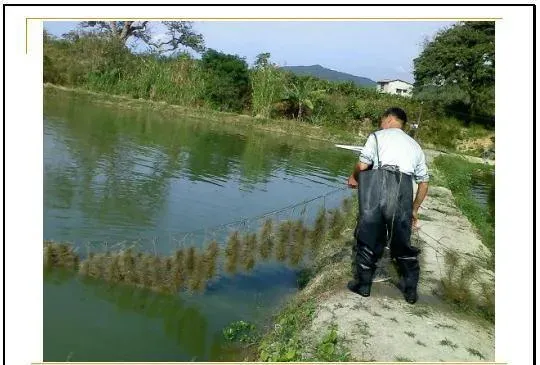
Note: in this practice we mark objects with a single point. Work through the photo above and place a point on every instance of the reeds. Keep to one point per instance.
(346, 205)
(266, 240)
(249, 249)
(316, 235)
(284, 236)
(336, 223)
(210, 259)
(232, 252)
(60, 255)
(197, 282)
(296, 249)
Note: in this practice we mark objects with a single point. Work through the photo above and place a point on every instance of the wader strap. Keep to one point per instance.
(377, 150)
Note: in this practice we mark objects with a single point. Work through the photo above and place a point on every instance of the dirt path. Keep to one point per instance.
(384, 327)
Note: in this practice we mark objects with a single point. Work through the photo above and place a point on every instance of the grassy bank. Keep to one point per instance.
(282, 126)
(457, 174)
(221, 82)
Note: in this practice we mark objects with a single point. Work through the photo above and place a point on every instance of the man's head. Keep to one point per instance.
(393, 118)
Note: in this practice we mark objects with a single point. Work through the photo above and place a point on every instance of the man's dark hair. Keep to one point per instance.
(396, 112)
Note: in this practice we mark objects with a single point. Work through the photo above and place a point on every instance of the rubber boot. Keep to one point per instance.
(362, 281)
(409, 270)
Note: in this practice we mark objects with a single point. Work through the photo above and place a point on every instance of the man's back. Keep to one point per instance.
(396, 148)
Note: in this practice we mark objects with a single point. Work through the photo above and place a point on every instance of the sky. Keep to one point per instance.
(374, 49)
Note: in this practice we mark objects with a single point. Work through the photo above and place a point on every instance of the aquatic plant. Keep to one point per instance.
(248, 253)
(210, 259)
(197, 281)
(336, 223)
(346, 205)
(144, 270)
(113, 269)
(127, 266)
(95, 268)
(266, 239)
(316, 235)
(297, 244)
(49, 255)
(284, 234)
(232, 252)
(60, 255)
(84, 268)
(190, 260)
(155, 272)
(168, 284)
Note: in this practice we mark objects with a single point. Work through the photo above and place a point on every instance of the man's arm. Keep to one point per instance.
(422, 177)
(353, 179)
(421, 193)
(365, 161)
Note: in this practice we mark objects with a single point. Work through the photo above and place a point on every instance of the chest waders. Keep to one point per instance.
(385, 199)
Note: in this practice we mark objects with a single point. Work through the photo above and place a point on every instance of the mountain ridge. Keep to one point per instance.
(329, 74)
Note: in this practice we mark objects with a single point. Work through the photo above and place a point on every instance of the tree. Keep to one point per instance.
(267, 82)
(457, 69)
(176, 35)
(227, 80)
(302, 93)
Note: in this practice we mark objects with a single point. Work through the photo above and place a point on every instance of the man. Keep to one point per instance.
(389, 161)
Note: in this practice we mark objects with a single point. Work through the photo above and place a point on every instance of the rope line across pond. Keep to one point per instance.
(245, 221)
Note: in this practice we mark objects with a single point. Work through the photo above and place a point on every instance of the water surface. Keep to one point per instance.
(116, 176)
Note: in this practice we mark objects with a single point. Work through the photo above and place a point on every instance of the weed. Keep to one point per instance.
(419, 311)
(403, 359)
(210, 259)
(476, 353)
(266, 239)
(240, 331)
(297, 242)
(447, 342)
(284, 235)
(329, 349)
(319, 230)
(336, 223)
(232, 252)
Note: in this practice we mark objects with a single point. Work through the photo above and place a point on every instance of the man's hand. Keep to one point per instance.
(415, 218)
(351, 182)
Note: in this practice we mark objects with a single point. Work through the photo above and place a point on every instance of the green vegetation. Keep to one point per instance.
(456, 70)
(284, 342)
(101, 62)
(447, 342)
(476, 353)
(240, 331)
(330, 349)
(457, 287)
(458, 175)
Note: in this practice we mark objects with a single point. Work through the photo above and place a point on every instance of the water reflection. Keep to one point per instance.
(115, 174)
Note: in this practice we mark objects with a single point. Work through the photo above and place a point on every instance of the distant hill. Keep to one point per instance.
(330, 75)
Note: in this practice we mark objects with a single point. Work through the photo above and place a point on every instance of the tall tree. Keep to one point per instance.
(176, 35)
(227, 80)
(457, 69)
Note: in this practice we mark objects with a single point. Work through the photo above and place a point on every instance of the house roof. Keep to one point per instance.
(388, 81)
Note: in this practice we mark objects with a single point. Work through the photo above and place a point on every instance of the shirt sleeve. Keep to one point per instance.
(368, 153)
(421, 173)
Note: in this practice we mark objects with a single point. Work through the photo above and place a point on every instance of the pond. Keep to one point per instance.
(483, 190)
(115, 175)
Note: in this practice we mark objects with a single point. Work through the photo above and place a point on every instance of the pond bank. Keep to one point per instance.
(326, 322)
(281, 126)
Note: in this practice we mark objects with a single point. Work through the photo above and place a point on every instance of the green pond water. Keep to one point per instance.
(116, 175)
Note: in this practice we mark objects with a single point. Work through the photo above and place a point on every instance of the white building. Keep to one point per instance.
(398, 87)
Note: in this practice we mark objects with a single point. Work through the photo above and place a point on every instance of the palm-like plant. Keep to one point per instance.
(302, 94)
